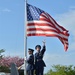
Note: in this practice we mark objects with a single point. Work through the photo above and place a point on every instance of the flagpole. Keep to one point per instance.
(25, 37)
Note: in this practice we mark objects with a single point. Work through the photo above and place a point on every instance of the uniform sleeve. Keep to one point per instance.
(43, 50)
(30, 59)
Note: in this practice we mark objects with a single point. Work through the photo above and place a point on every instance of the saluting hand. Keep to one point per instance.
(44, 42)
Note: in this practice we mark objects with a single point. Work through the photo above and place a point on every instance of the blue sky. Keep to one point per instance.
(12, 18)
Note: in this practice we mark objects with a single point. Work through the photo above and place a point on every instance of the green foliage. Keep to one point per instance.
(4, 69)
(1, 51)
(21, 72)
(61, 70)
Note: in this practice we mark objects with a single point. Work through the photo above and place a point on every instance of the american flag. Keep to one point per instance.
(40, 23)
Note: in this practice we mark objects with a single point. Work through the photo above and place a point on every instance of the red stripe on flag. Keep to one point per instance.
(47, 26)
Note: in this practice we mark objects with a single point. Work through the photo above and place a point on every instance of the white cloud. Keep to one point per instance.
(6, 10)
(55, 59)
(59, 58)
(72, 7)
(68, 21)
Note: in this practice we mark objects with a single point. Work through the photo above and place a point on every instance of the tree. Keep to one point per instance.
(1, 51)
(5, 62)
(61, 70)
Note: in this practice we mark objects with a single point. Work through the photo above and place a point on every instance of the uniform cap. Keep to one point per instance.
(37, 46)
(30, 50)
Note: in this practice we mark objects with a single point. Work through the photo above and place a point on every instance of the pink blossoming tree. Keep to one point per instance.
(5, 63)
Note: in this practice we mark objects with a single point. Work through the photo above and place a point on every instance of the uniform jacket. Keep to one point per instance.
(39, 58)
(30, 63)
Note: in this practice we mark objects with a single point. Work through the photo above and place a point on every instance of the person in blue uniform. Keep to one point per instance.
(30, 62)
(39, 62)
